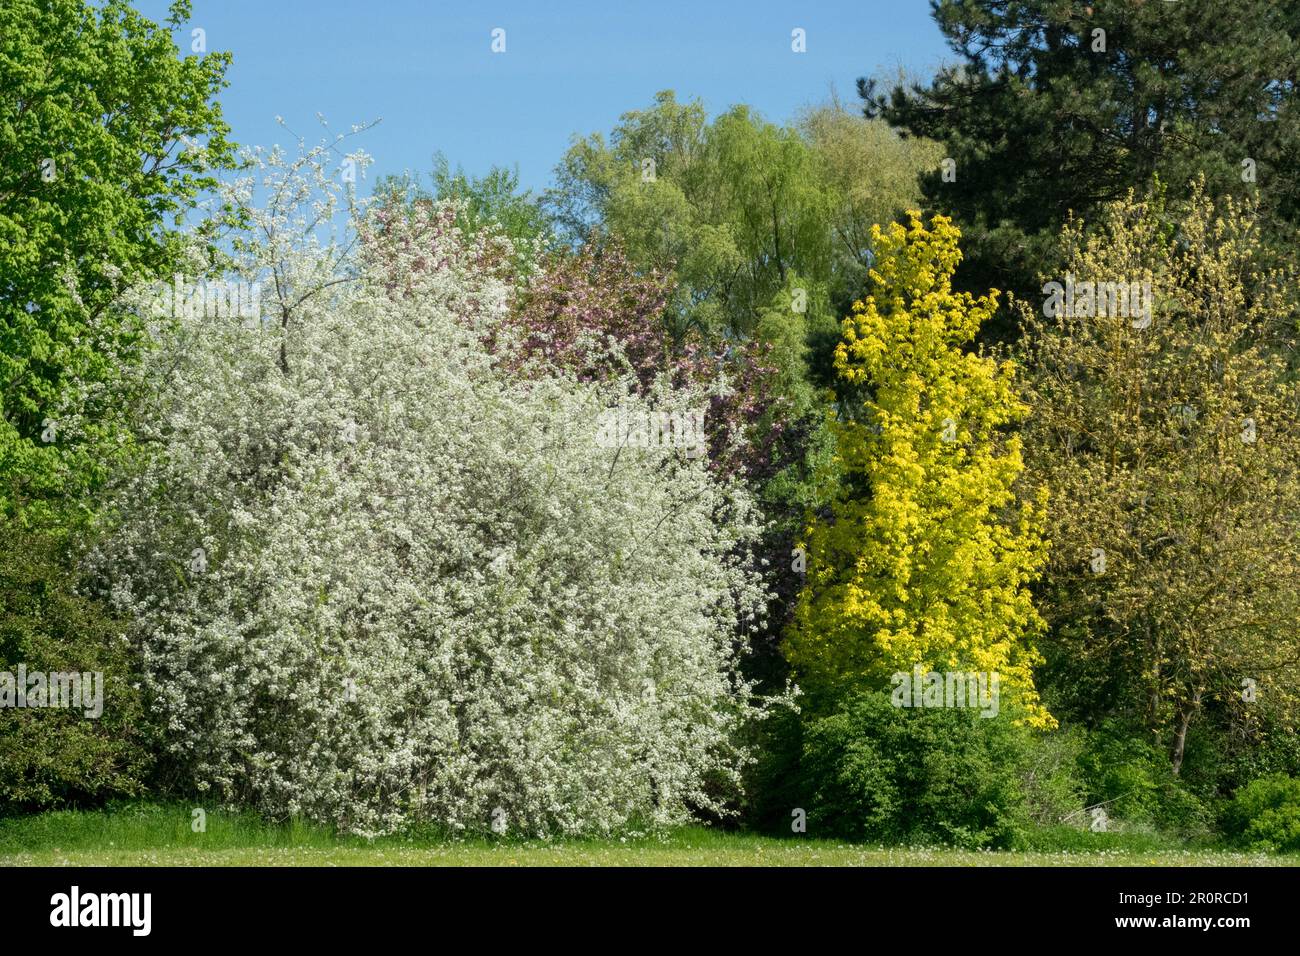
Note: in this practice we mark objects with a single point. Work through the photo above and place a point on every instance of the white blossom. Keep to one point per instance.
(457, 611)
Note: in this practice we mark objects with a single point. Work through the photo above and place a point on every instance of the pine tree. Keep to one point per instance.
(1056, 107)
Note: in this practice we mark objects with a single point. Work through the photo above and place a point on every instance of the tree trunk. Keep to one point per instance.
(1185, 713)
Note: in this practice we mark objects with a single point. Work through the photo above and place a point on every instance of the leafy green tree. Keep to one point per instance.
(107, 137)
(494, 198)
(644, 188)
(763, 185)
(1057, 107)
(662, 142)
(927, 557)
(872, 175)
(733, 207)
(1168, 440)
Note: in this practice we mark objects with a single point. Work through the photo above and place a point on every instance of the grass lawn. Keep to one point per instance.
(161, 836)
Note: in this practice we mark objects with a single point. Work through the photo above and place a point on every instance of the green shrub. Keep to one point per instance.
(875, 772)
(1134, 780)
(58, 757)
(1265, 814)
(1119, 770)
(1050, 780)
(772, 786)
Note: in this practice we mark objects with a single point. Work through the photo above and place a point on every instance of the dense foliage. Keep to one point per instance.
(1266, 814)
(873, 771)
(694, 486)
(928, 555)
(1053, 108)
(375, 578)
(58, 757)
(1169, 445)
(107, 137)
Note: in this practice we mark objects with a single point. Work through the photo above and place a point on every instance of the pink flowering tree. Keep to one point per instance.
(592, 312)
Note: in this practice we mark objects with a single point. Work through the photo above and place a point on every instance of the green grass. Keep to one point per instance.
(153, 835)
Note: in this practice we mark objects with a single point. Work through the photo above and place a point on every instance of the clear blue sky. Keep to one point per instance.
(426, 67)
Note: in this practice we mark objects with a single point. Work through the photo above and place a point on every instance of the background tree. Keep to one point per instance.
(1058, 107)
(1170, 450)
(593, 313)
(493, 200)
(732, 207)
(872, 175)
(928, 554)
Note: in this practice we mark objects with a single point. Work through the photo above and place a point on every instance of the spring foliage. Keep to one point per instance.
(1169, 444)
(929, 553)
(375, 578)
(109, 136)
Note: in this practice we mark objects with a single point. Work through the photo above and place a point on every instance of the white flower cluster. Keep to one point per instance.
(640, 429)
(421, 596)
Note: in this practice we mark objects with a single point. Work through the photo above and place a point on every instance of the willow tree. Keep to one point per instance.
(1168, 439)
(930, 549)
(736, 205)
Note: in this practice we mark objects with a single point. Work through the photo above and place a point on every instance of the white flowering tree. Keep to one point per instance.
(376, 579)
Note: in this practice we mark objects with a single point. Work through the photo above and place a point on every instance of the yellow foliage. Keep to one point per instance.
(930, 552)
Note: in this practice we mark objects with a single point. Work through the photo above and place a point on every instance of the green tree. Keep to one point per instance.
(1168, 440)
(107, 137)
(734, 206)
(929, 551)
(647, 187)
(872, 175)
(494, 198)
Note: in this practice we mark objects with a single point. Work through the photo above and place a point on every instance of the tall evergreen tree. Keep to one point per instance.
(1059, 105)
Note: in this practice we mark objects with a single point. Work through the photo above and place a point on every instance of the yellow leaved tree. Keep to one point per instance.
(929, 552)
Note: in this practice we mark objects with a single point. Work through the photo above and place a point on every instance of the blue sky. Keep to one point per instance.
(427, 70)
